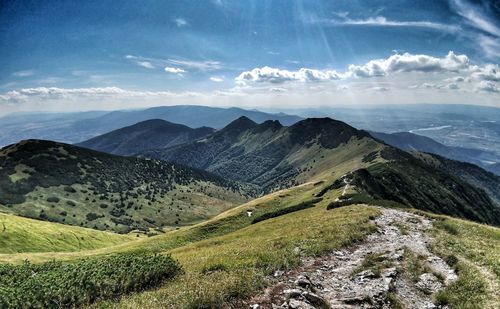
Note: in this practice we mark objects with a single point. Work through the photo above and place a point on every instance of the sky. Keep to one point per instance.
(88, 55)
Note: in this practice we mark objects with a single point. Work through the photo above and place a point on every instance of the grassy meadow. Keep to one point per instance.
(23, 235)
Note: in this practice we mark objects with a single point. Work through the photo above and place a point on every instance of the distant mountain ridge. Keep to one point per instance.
(148, 134)
(81, 126)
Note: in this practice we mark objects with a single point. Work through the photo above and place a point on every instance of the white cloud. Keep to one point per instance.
(277, 76)
(207, 65)
(180, 22)
(487, 32)
(200, 65)
(381, 21)
(216, 79)
(381, 89)
(476, 17)
(425, 86)
(397, 63)
(178, 71)
(458, 79)
(410, 63)
(141, 61)
(24, 73)
(145, 64)
(490, 72)
(52, 93)
(487, 86)
(449, 86)
(277, 89)
(491, 46)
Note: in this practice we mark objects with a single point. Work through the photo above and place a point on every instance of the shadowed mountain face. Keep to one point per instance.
(412, 142)
(268, 154)
(149, 134)
(77, 186)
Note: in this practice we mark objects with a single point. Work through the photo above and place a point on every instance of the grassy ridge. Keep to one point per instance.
(474, 251)
(19, 234)
(238, 261)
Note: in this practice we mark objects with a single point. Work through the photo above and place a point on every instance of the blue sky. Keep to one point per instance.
(78, 55)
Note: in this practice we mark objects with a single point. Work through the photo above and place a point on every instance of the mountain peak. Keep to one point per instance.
(330, 132)
(241, 124)
(269, 125)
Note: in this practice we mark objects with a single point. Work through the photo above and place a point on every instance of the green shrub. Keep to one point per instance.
(62, 285)
(447, 226)
(69, 189)
(91, 216)
(53, 199)
(214, 267)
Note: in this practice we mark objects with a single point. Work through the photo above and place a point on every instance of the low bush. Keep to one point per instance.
(53, 199)
(447, 226)
(69, 189)
(63, 285)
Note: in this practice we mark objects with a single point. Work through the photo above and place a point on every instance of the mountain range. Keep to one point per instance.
(236, 204)
(44, 179)
(272, 157)
(81, 126)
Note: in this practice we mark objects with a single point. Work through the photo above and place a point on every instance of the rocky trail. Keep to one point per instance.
(392, 268)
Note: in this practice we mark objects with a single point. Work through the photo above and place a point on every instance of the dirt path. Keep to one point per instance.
(392, 265)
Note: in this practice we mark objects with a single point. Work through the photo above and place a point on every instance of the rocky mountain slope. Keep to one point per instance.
(72, 185)
(149, 134)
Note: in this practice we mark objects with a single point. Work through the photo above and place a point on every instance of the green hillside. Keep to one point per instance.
(23, 235)
(76, 186)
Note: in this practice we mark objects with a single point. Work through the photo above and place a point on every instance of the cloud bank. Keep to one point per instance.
(399, 78)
